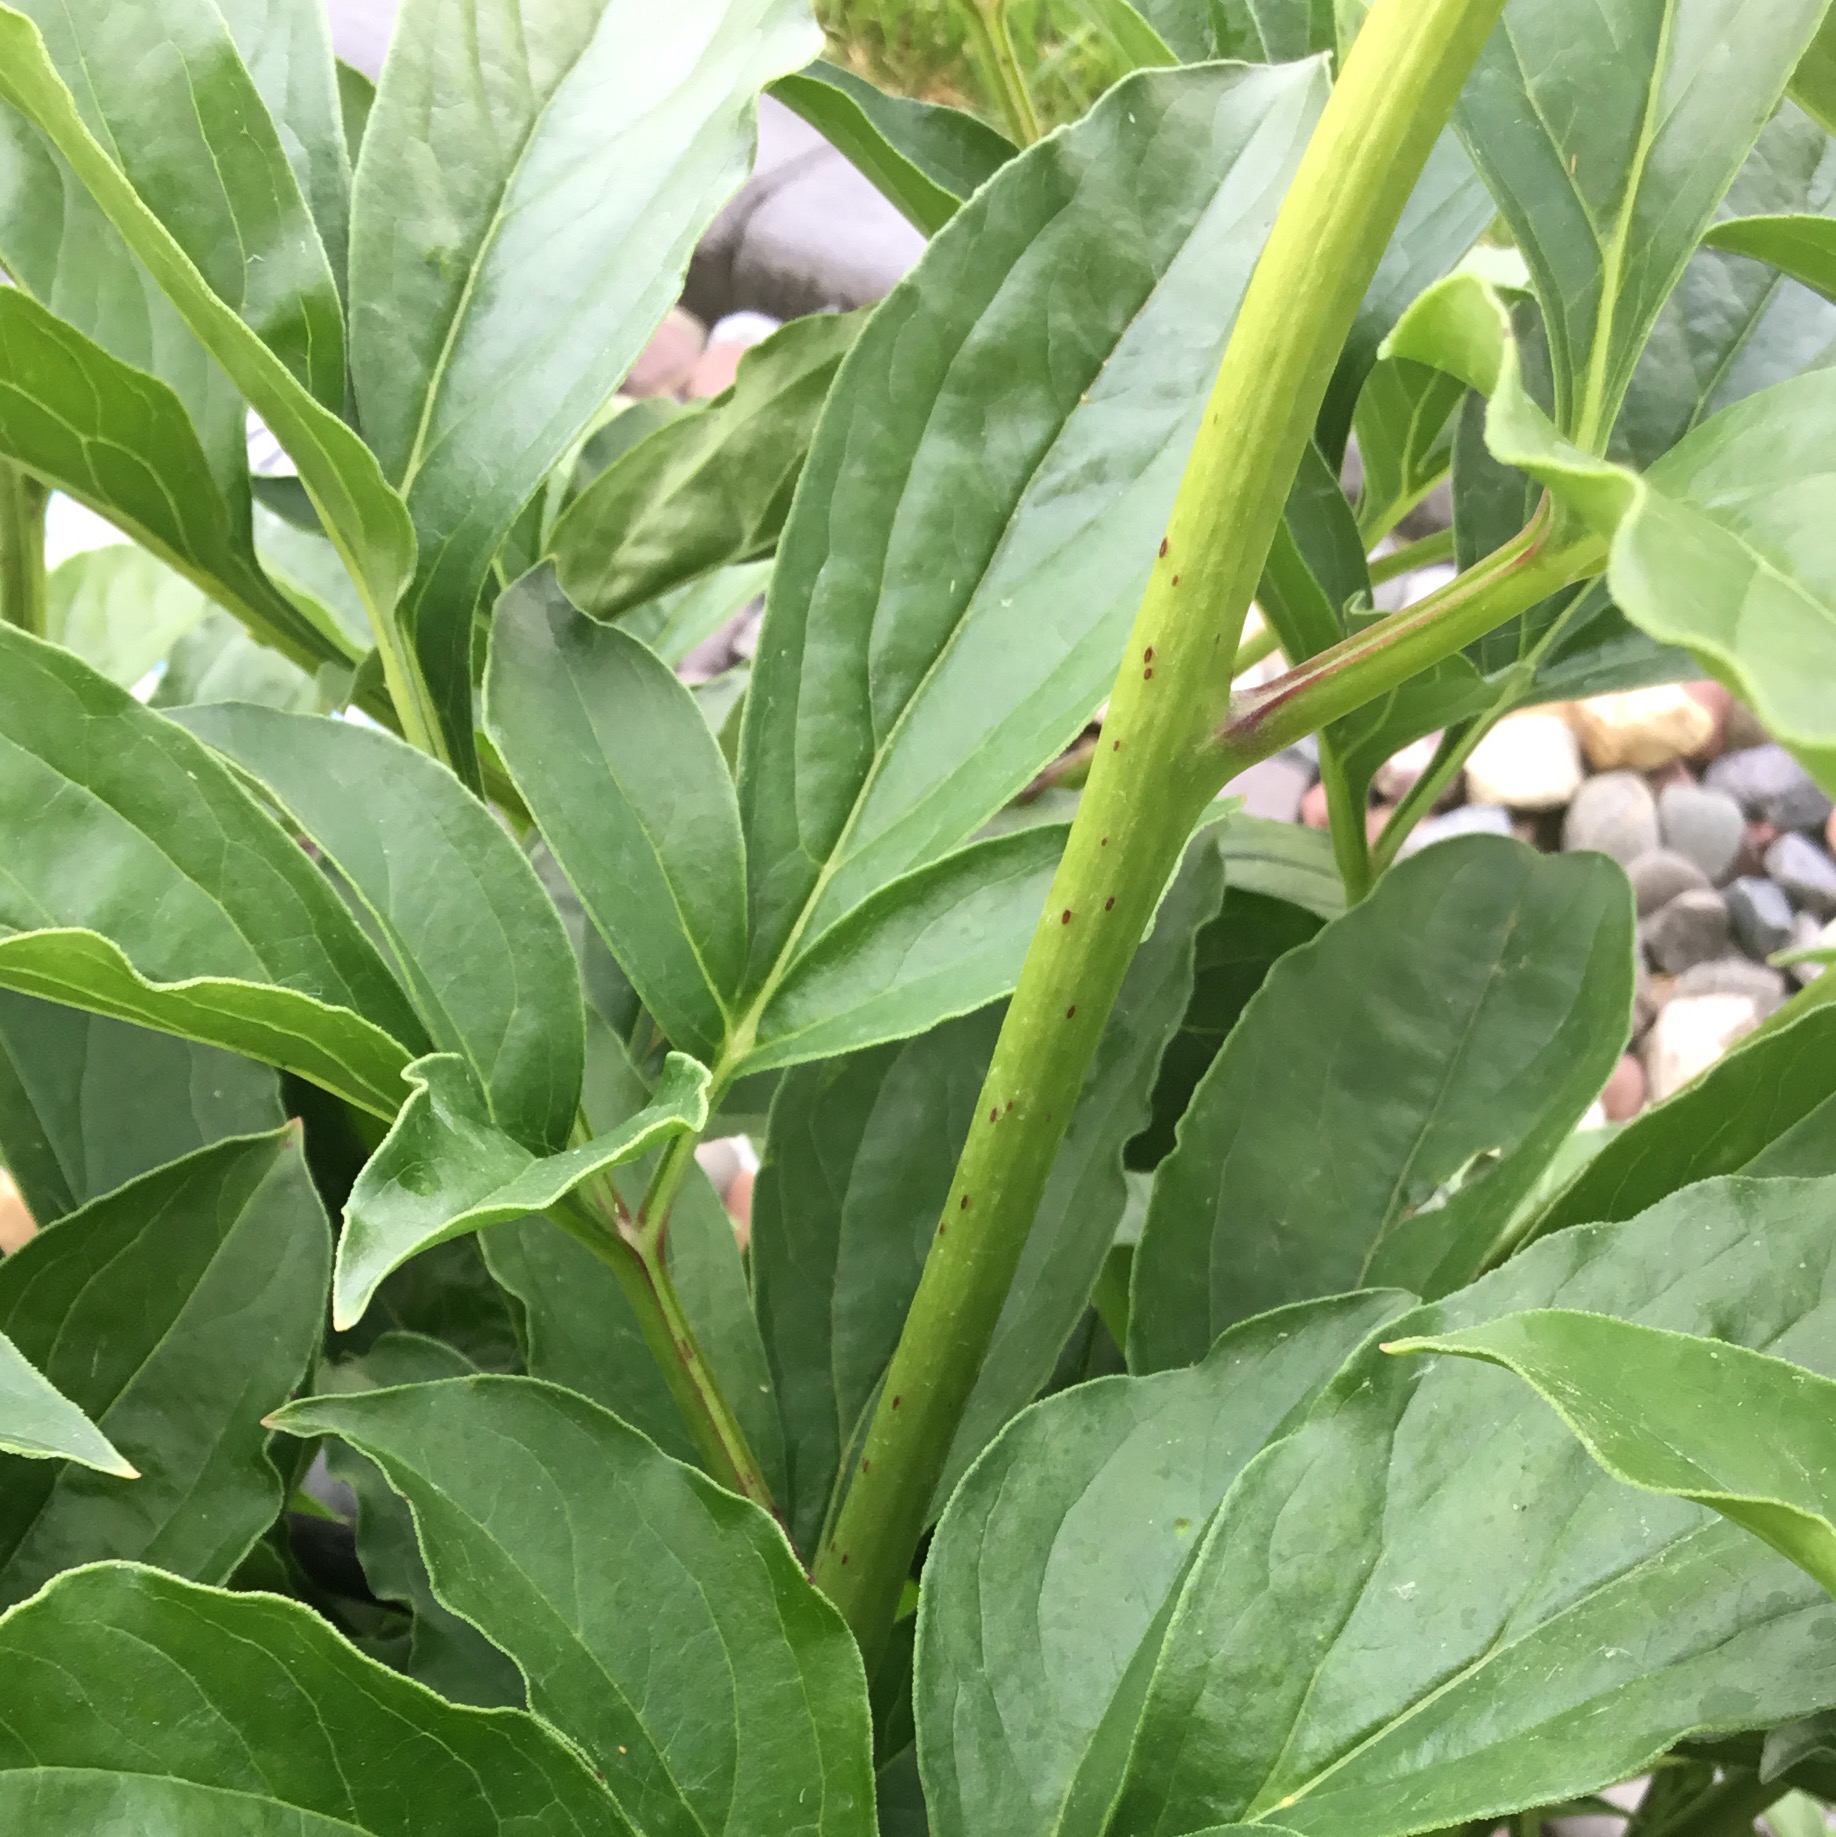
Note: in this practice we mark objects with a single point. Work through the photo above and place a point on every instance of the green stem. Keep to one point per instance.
(1424, 553)
(22, 550)
(989, 22)
(1727, 1809)
(1258, 645)
(1161, 760)
(1450, 757)
(1345, 814)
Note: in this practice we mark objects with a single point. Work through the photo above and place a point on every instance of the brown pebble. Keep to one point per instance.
(1374, 819)
(1313, 810)
(17, 1226)
(1715, 698)
(1624, 1095)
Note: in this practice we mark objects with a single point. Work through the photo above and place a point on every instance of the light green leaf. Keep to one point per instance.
(588, 141)
(1137, 44)
(120, 609)
(1269, 31)
(38, 1420)
(1405, 438)
(217, 661)
(1608, 134)
(1428, 1605)
(675, 623)
(137, 1702)
(712, 1687)
(708, 488)
(1752, 1437)
(478, 944)
(175, 1312)
(923, 157)
(1813, 83)
(87, 1103)
(1444, 1036)
(446, 1169)
(1048, 1585)
(195, 913)
(1803, 247)
(630, 791)
(967, 599)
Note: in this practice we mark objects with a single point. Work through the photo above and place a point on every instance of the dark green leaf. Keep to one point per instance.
(137, 1702)
(87, 1103)
(176, 1312)
(674, 624)
(709, 488)
(477, 943)
(1405, 439)
(1282, 861)
(714, 1690)
(39, 1421)
(924, 157)
(194, 913)
(1316, 574)
(1443, 1037)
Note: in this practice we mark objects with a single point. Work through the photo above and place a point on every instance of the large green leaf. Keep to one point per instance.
(175, 1312)
(120, 609)
(1608, 134)
(87, 1103)
(947, 608)
(589, 142)
(1428, 1605)
(1803, 247)
(1753, 1437)
(137, 1702)
(706, 489)
(924, 157)
(1441, 1039)
(1047, 1587)
(39, 1421)
(477, 943)
(193, 913)
(713, 1689)
(632, 794)
(446, 1169)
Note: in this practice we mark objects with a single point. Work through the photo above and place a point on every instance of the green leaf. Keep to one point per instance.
(1427, 1605)
(217, 661)
(1767, 1109)
(195, 913)
(1282, 861)
(629, 788)
(1316, 574)
(708, 488)
(1813, 83)
(39, 1421)
(1444, 1036)
(1048, 1584)
(923, 157)
(1137, 45)
(1752, 1437)
(446, 1169)
(589, 141)
(175, 1312)
(946, 611)
(120, 609)
(713, 1689)
(1405, 439)
(87, 1103)
(135, 1701)
(477, 943)
(673, 624)
(1607, 136)
(1803, 247)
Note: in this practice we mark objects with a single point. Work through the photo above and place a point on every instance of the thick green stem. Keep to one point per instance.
(1160, 761)
(1351, 847)
(22, 550)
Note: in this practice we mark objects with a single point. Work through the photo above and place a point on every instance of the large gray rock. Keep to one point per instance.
(1761, 915)
(1706, 826)
(1771, 787)
(1759, 982)
(1691, 929)
(1614, 813)
(1806, 873)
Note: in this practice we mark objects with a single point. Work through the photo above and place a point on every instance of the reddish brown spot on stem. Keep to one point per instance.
(1070, 1010)
(1163, 547)
(844, 1561)
(864, 1464)
(1109, 905)
(994, 1116)
(1176, 580)
(1064, 918)
(1147, 656)
(1117, 747)
(1149, 671)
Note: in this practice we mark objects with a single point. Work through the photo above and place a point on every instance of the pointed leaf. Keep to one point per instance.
(967, 599)
(175, 1312)
(38, 1420)
(629, 788)
(478, 944)
(119, 609)
(714, 1690)
(1405, 439)
(707, 489)
(1804, 247)
(1813, 83)
(446, 1169)
(135, 1701)
(1750, 1436)
(1444, 1036)
(87, 1103)
(195, 913)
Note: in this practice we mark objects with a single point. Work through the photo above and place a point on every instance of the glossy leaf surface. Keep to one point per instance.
(714, 1690)
(175, 1313)
(1803, 247)
(37, 1420)
(137, 1702)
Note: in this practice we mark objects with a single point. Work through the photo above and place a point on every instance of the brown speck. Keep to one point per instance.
(844, 1561)
(1176, 580)
(1147, 656)
(1147, 673)
(1109, 905)
(865, 1463)
(1070, 1010)
(1104, 843)
(1064, 918)
(994, 1116)
(1163, 546)
(964, 1207)
(896, 1402)
(1010, 1103)
(1117, 747)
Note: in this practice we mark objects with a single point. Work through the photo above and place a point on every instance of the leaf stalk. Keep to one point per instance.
(22, 550)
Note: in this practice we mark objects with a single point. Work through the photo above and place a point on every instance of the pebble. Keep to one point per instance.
(1646, 1001)
(1314, 810)
(1705, 826)
(16, 1223)
(1614, 813)
(1657, 878)
(1691, 929)
(1771, 786)
(665, 365)
(1625, 1091)
(1691, 1034)
(1529, 761)
(1807, 934)
(1759, 982)
(1642, 728)
(1399, 774)
(1273, 788)
(1806, 873)
(1468, 820)
(1719, 702)
(1761, 915)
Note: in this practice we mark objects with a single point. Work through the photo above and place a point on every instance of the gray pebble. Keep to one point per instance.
(1706, 826)
(1735, 976)
(1614, 813)
(1771, 786)
(1691, 929)
(1468, 820)
(1806, 934)
(1657, 878)
(1761, 915)
(1806, 873)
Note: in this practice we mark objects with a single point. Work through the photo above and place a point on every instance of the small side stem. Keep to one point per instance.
(22, 550)
(1425, 552)
(1350, 843)
(1450, 757)
(989, 22)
